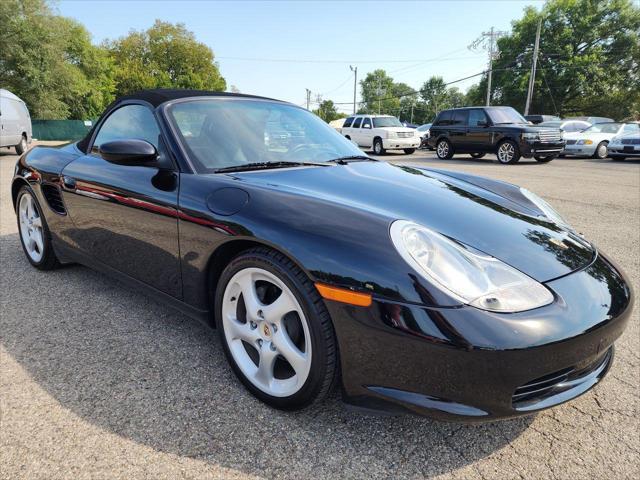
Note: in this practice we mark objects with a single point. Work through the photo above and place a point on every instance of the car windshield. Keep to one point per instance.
(603, 128)
(505, 115)
(386, 122)
(232, 132)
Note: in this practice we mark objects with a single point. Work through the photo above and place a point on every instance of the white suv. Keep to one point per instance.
(380, 132)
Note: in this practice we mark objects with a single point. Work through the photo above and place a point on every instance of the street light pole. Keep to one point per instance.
(532, 77)
(355, 85)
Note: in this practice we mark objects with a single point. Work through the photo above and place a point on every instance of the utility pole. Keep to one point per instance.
(355, 85)
(532, 77)
(308, 97)
(487, 41)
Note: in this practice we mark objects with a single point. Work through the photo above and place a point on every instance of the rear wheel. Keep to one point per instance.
(34, 232)
(444, 149)
(378, 148)
(508, 152)
(22, 146)
(477, 155)
(409, 151)
(544, 158)
(275, 330)
(601, 151)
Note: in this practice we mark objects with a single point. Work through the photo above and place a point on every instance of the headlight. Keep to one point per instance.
(470, 276)
(530, 136)
(584, 142)
(547, 209)
(392, 135)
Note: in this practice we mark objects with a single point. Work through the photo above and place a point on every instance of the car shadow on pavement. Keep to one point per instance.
(140, 370)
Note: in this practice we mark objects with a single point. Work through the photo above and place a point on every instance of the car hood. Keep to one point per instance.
(491, 216)
(595, 136)
(396, 129)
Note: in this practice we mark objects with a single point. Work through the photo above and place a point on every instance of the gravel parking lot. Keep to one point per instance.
(98, 381)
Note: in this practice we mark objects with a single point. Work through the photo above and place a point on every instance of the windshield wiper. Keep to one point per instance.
(344, 160)
(265, 166)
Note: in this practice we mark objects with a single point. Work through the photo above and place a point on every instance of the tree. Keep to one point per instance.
(589, 61)
(49, 62)
(437, 96)
(377, 90)
(165, 55)
(328, 112)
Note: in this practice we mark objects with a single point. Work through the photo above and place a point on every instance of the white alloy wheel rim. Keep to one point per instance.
(443, 149)
(31, 227)
(602, 151)
(275, 331)
(506, 152)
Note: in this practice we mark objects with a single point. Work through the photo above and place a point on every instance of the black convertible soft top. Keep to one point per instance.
(158, 96)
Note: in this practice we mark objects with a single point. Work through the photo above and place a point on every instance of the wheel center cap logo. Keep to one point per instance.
(266, 330)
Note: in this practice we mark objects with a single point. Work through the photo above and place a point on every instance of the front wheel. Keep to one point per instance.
(508, 152)
(275, 329)
(34, 231)
(544, 158)
(444, 149)
(601, 151)
(476, 155)
(378, 147)
(409, 151)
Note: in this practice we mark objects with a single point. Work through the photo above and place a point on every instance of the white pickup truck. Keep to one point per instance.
(380, 132)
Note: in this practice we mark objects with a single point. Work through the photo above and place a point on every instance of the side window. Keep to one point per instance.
(357, 123)
(347, 123)
(366, 123)
(130, 121)
(443, 119)
(460, 118)
(477, 118)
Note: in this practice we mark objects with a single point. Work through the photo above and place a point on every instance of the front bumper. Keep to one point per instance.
(465, 364)
(529, 149)
(580, 150)
(624, 150)
(400, 143)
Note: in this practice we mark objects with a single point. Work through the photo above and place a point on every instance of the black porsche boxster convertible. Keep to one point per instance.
(412, 289)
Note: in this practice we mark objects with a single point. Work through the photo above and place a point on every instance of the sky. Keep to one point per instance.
(280, 48)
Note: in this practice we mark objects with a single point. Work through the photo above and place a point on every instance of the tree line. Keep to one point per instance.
(49, 61)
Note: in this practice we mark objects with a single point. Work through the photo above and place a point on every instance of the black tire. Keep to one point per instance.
(562, 155)
(409, 151)
(22, 146)
(544, 158)
(444, 149)
(324, 369)
(601, 151)
(49, 261)
(511, 158)
(477, 155)
(378, 147)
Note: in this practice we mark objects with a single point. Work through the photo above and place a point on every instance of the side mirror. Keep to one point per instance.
(132, 152)
(367, 126)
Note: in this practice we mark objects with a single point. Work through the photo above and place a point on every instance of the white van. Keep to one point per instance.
(380, 132)
(15, 122)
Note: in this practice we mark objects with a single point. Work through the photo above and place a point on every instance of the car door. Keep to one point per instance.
(126, 216)
(458, 130)
(356, 136)
(478, 137)
(366, 132)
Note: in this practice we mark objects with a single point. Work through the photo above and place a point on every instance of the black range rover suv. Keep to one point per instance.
(499, 130)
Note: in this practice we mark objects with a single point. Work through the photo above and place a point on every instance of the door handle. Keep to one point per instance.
(69, 183)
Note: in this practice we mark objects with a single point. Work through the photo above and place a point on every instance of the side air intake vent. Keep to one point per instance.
(54, 198)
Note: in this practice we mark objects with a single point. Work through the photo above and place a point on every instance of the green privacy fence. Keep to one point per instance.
(71, 130)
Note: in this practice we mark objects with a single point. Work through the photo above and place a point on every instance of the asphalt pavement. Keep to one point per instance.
(99, 381)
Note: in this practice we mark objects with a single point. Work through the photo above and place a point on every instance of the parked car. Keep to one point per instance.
(536, 119)
(592, 120)
(499, 130)
(626, 144)
(380, 132)
(423, 132)
(15, 122)
(593, 141)
(567, 126)
(414, 290)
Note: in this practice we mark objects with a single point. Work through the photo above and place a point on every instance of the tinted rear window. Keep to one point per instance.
(347, 123)
(443, 119)
(460, 117)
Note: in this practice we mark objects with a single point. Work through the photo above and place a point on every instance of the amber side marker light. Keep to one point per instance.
(344, 295)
